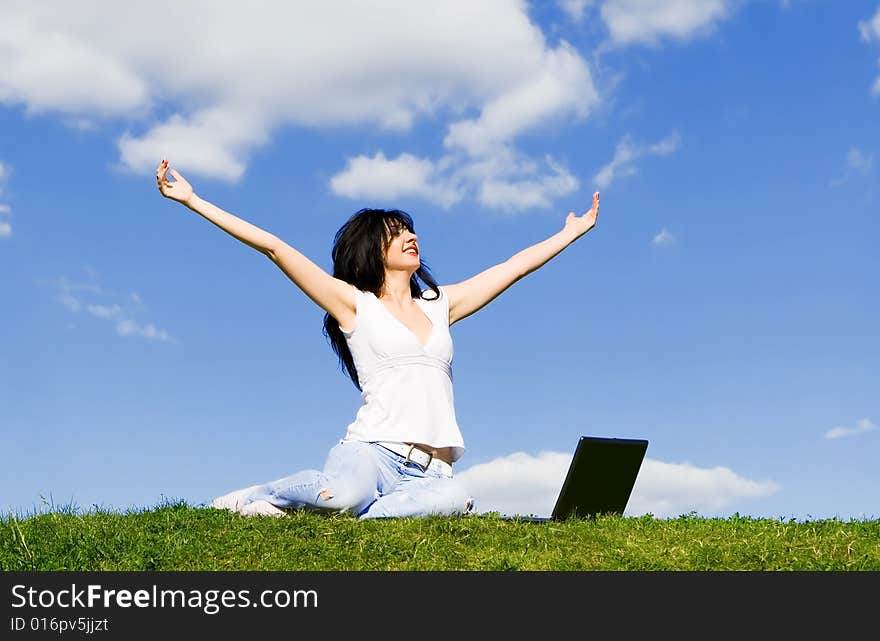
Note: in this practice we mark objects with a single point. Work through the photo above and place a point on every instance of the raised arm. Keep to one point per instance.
(471, 295)
(333, 295)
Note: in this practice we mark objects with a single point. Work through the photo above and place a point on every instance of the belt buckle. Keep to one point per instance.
(422, 466)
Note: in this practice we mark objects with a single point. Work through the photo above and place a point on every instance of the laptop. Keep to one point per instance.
(600, 479)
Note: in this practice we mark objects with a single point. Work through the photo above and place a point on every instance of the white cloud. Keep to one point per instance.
(70, 301)
(66, 293)
(840, 431)
(671, 489)
(212, 142)
(870, 29)
(206, 103)
(575, 8)
(507, 179)
(625, 155)
(648, 21)
(514, 195)
(481, 163)
(70, 295)
(559, 85)
(129, 327)
(104, 311)
(663, 238)
(518, 483)
(68, 286)
(524, 484)
(380, 178)
(857, 162)
(504, 180)
(5, 210)
(870, 32)
(50, 63)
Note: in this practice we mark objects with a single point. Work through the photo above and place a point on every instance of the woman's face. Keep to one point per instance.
(403, 252)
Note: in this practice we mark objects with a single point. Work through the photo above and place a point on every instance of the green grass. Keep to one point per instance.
(176, 536)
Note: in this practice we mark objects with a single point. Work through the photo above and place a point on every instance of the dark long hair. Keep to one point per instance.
(359, 258)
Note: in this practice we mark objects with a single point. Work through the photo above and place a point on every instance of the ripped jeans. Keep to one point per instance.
(366, 480)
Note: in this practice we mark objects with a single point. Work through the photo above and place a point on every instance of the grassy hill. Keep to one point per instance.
(176, 536)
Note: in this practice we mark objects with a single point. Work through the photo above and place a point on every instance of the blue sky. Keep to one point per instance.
(724, 307)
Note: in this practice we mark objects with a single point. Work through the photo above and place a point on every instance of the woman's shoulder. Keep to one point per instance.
(437, 300)
(430, 296)
(363, 293)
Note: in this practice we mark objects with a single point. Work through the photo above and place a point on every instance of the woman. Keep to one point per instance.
(396, 457)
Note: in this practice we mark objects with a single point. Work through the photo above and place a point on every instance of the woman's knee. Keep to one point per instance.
(343, 494)
(434, 497)
(350, 478)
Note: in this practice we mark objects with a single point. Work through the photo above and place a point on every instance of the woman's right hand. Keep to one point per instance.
(179, 190)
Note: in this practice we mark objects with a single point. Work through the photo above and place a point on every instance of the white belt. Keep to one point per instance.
(422, 458)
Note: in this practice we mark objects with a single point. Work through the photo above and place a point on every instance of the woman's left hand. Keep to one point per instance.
(580, 225)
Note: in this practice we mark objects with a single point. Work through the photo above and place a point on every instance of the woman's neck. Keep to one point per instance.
(396, 289)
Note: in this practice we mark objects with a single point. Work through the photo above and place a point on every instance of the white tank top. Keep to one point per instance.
(406, 387)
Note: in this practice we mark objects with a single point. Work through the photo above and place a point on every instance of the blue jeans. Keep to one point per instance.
(369, 481)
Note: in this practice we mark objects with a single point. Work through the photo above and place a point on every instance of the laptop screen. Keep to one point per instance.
(600, 478)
